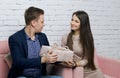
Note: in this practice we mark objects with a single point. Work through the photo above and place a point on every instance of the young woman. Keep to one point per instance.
(80, 40)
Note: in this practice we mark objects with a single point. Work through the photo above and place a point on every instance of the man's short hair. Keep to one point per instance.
(32, 13)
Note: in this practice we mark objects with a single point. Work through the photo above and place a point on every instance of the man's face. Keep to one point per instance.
(39, 24)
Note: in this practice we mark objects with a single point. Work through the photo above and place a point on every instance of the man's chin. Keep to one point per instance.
(38, 31)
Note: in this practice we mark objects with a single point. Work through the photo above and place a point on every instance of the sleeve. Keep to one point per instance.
(80, 61)
(46, 39)
(19, 60)
(83, 62)
(77, 59)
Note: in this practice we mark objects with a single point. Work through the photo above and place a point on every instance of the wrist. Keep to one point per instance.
(78, 63)
(75, 64)
(43, 59)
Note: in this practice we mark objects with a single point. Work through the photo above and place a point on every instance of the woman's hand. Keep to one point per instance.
(69, 64)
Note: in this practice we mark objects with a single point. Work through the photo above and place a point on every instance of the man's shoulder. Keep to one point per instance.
(17, 34)
(41, 34)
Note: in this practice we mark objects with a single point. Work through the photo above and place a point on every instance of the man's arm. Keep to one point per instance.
(18, 56)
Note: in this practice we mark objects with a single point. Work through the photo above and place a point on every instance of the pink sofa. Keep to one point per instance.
(4, 67)
(110, 67)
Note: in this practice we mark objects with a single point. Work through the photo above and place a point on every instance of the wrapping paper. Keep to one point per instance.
(62, 53)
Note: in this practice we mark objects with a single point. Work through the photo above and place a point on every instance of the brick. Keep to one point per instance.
(104, 19)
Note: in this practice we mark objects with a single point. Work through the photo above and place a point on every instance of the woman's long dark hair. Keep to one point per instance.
(86, 38)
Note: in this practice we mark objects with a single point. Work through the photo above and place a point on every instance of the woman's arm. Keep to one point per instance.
(79, 61)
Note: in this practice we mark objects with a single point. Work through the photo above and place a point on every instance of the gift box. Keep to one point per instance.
(63, 54)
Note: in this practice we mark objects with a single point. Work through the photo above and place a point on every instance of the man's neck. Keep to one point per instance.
(30, 32)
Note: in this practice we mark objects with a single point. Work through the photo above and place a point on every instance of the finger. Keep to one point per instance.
(53, 57)
(53, 60)
(72, 62)
(53, 54)
(49, 52)
(68, 63)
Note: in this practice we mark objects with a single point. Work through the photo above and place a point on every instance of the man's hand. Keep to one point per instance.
(49, 58)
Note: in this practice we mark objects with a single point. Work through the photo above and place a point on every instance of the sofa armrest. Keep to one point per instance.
(109, 66)
(4, 47)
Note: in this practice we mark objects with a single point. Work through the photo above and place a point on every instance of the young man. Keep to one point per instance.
(25, 46)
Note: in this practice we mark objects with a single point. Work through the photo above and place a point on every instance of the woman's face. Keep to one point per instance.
(75, 23)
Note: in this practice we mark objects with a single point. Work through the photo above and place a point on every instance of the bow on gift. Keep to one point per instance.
(56, 47)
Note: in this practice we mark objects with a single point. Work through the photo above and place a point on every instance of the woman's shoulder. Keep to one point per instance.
(64, 39)
(65, 36)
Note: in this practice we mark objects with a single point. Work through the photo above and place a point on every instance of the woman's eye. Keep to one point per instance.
(76, 21)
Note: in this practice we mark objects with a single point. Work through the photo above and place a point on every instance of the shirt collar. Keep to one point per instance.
(28, 38)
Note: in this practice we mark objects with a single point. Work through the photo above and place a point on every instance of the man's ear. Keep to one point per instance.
(33, 23)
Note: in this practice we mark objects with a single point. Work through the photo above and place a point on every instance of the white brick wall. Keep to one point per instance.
(104, 18)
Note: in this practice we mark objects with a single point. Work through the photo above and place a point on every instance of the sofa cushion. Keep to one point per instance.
(4, 48)
(3, 68)
(8, 59)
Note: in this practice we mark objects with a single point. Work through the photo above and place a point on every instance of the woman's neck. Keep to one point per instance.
(76, 33)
